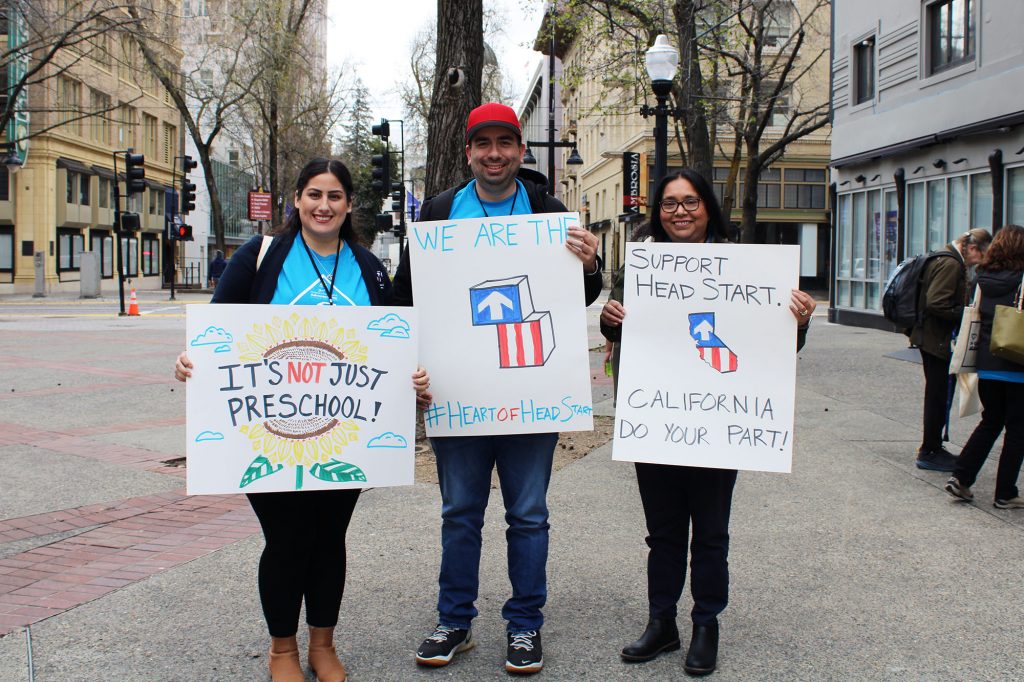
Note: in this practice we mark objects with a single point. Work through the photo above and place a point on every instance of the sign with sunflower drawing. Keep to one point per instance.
(299, 397)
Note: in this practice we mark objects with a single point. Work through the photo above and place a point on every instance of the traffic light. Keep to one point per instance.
(188, 189)
(184, 233)
(380, 174)
(397, 197)
(134, 173)
(382, 130)
(130, 222)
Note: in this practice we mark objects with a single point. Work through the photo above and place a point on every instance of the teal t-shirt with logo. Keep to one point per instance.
(298, 283)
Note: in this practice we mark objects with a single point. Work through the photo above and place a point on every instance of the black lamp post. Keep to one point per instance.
(550, 144)
(10, 157)
(662, 59)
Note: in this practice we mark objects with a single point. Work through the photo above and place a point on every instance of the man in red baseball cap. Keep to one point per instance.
(499, 187)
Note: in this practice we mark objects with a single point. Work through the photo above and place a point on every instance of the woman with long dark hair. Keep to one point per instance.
(314, 259)
(1000, 381)
(676, 498)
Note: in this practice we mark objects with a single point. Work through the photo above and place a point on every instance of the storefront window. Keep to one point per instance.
(1015, 196)
(981, 201)
(936, 214)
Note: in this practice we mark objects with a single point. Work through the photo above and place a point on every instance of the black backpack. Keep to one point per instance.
(903, 291)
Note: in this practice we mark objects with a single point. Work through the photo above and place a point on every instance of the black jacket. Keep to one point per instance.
(438, 208)
(998, 287)
(242, 283)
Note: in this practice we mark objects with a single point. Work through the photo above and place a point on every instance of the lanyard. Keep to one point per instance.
(327, 290)
(488, 215)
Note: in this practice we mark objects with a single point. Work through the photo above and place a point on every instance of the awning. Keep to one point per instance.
(103, 172)
(72, 165)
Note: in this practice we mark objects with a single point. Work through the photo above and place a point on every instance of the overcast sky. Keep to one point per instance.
(356, 29)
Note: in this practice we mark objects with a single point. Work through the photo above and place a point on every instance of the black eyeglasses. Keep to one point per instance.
(689, 203)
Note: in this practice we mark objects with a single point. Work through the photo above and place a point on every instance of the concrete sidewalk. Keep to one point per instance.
(855, 567)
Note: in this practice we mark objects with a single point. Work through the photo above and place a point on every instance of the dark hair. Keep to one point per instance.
(718, 229)
(313, 168)
(1006, 252)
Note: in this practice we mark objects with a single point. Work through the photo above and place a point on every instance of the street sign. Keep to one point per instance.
(261, 206)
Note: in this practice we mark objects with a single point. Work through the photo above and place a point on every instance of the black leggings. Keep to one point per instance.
(304, 556)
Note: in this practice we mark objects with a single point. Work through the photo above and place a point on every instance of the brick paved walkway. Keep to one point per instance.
(119, 543)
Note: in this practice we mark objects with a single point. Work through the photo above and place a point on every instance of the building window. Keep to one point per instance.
(950, 33)
(5, 184)
(805, 188)
(1015, 196)
(154, 207)
(233, 158)
(149, 141)
(150, 254)
(83, 188)
(69, 102)
(103, 244)
(864, 70)
(170, 138)
(778, 24)
(780, 113)
(105, 193)
(6, 249)
(72, 187)
(863, 224)
(70, 245)
(981, 201)
(130, 256)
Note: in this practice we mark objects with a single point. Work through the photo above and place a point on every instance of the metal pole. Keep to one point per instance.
(551, 109)
(118, 233)
(660, 139)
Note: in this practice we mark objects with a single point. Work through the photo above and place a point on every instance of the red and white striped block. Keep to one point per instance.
(720, 358)
(528, 343)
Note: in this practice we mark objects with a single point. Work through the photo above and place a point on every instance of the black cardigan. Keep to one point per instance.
(242, 283)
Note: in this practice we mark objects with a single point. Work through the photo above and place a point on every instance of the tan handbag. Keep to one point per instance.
(965, 350)
(1008, 331)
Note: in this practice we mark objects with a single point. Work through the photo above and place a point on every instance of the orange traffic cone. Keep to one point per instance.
(133, 304)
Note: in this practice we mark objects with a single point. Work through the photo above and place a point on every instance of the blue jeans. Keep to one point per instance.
(464, 465)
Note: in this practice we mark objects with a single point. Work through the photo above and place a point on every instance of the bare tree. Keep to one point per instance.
(208, 93)
(49, 40)
(456, 91)
(742, 65)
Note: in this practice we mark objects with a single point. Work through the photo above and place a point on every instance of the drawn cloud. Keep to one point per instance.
(390, 326)
(208, 436)
(388, 440)
(214, 336)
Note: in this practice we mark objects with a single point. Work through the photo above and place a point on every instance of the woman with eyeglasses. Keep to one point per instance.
(676, 498)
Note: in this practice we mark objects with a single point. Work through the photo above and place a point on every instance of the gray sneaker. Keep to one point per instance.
(958, 490)
(1012, 503)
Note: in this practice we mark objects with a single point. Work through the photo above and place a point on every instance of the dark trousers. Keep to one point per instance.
(674, 499)
(1002, 406)
(936, 388)
(304, 556)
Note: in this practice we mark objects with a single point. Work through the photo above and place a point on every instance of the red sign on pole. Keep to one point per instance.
(261, 207)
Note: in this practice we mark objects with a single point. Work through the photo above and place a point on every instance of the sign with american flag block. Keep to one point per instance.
(707, 371)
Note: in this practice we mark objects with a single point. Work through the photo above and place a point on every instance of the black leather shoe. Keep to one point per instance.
(660, 636)
(703, 653)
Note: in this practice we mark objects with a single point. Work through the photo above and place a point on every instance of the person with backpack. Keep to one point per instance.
(314, 259)
(499, 186)
(940, 305)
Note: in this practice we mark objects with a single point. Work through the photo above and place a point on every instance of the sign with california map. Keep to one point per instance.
(506, 346)
(707, 374)
(299, 397)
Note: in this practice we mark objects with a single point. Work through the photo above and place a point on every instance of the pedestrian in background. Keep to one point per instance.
(1000, 381)
(941, 305)
(217, 268)
(494, 152)
(315, 259)
(677, 497)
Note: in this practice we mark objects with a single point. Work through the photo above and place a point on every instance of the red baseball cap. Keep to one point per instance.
(492, 114)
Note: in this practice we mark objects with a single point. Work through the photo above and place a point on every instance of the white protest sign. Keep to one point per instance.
(299, 397)
(707, 373)
(505, 331)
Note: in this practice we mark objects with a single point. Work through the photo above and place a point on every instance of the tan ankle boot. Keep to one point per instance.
(284, 660)
(322, 657)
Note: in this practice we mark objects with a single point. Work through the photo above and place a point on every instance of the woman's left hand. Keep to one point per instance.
(421, 384)
(583, 243)
(802, 304)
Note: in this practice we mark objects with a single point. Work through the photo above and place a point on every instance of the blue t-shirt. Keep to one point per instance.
(298, 283)
(467, 204)
(1013, 377)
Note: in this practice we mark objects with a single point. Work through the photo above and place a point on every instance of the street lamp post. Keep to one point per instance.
(662, 60)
